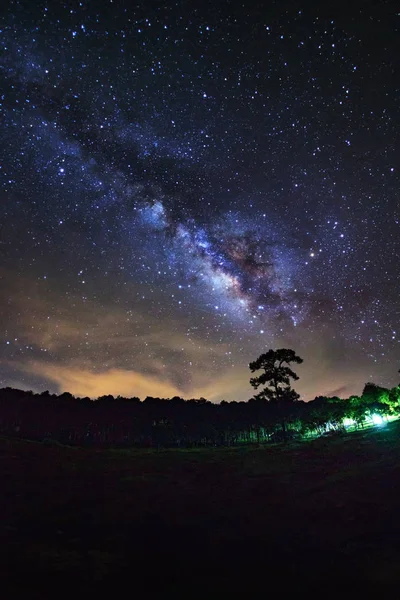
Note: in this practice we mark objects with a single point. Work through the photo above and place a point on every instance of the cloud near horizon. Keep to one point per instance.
(118, 382)
(124, 382)
(91, 353)
(229, 385)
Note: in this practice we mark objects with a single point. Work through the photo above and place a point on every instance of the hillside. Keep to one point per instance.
(199, 520)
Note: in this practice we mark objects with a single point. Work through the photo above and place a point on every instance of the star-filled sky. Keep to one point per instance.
(184, 185)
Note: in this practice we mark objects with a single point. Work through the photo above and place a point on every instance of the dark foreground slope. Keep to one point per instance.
(214, 522)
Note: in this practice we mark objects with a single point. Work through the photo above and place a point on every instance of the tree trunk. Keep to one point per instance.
(284, 430)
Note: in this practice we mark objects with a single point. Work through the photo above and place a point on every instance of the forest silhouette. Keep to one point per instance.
(273, 415)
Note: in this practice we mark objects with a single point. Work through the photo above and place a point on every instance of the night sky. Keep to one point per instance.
(186, 185)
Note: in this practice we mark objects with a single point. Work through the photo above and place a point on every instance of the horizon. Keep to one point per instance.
(334, 394)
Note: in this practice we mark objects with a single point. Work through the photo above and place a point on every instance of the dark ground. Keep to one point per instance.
(320, 516)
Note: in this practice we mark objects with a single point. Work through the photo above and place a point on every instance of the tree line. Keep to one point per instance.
(275, 414)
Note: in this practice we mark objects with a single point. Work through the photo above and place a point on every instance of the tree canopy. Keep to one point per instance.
(277, 374)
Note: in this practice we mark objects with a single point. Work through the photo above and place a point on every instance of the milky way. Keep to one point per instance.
(184, 186)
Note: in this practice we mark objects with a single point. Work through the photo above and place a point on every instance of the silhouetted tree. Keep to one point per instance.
(276, 379)
(323, 413)
(394, 399)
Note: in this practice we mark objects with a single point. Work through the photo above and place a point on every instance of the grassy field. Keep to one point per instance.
(318, 515)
